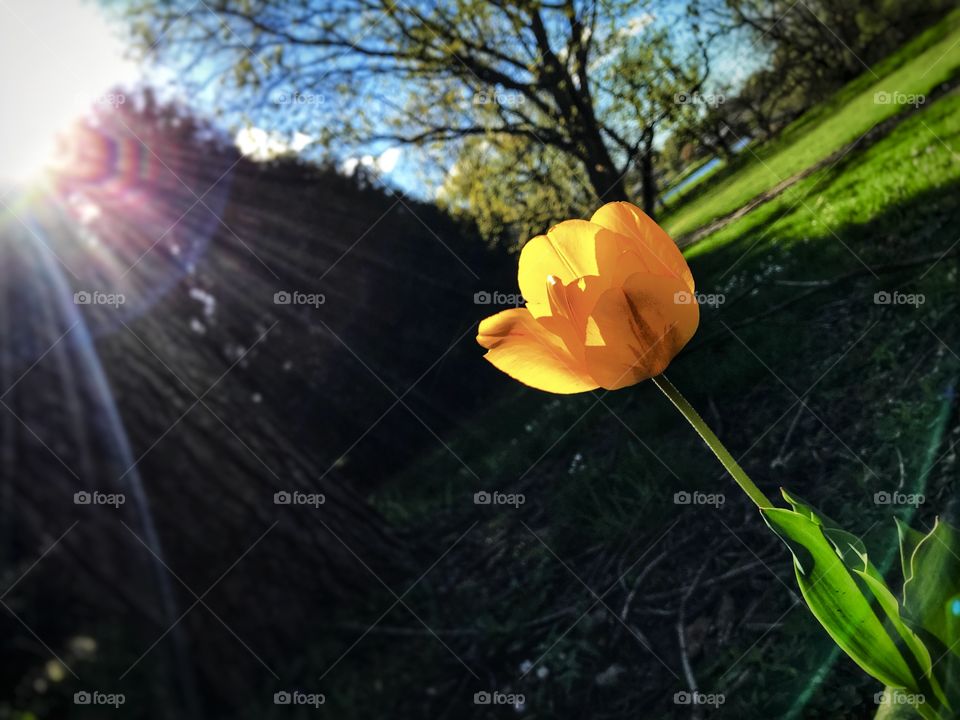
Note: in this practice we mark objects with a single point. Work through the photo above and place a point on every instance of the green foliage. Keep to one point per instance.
(514, 188)
(930, 595)
(830, 561)
(835, 598)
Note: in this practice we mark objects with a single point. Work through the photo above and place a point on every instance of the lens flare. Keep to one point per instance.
(126, 210)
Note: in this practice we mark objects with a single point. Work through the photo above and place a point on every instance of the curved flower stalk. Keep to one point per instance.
(610, 303)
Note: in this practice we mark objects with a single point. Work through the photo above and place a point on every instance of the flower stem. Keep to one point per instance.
(712, 441)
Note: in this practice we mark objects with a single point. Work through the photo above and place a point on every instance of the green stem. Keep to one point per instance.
(712, 441)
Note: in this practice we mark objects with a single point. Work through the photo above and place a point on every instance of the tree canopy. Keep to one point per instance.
(586, 81)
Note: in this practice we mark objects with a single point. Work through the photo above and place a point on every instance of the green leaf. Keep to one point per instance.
(835, 598)
(851, 549)
(890, 605)
(933, 584)
(931, 598)
(909, 539)
(921, 629)
(953, 610)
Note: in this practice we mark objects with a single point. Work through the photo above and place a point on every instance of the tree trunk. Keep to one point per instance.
(648, 175)
(607, 183)
(722, 144)
(606, 179)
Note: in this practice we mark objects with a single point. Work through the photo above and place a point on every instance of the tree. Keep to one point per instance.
(818, 45)
(514, 188)
(587, 79)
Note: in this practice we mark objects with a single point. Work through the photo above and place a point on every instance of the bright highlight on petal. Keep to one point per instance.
(609, 303)
(570, 250)
(649, 241)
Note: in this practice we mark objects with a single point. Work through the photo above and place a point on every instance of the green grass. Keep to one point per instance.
(918, 68)
(919, 156)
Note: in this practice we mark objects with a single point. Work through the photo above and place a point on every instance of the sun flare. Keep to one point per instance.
(56, 71)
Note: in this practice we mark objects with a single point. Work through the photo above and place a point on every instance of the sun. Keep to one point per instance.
(59, 59)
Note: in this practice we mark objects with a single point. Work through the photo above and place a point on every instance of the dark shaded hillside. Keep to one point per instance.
(201, 396)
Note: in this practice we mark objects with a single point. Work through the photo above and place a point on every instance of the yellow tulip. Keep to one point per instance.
(609, 303)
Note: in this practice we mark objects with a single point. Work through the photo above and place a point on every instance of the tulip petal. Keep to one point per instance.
(525, 350)
(658, 251)
(635, 331)
(570, 250)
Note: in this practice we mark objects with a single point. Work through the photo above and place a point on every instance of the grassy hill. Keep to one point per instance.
(917, 69)
(575, 598)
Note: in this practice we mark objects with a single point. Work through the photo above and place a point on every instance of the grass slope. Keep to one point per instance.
(811, 383)
(600, 471)
(918, 68)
